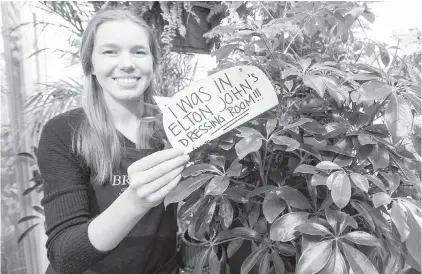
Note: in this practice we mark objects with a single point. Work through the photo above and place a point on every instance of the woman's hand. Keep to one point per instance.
(153, 177)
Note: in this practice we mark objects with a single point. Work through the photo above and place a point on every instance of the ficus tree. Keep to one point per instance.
(328, 181)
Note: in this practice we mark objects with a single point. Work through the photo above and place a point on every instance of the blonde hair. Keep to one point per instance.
(96, 138)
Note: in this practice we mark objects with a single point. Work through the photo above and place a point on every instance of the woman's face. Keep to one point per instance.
(122, 60)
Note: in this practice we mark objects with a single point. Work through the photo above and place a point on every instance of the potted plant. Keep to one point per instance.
(329, 180)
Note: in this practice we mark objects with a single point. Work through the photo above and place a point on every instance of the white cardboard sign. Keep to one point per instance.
(215, 105)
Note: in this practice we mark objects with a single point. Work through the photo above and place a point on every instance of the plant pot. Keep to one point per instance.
(190, 253)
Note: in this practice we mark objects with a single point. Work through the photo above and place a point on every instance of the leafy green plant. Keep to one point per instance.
(328, 181)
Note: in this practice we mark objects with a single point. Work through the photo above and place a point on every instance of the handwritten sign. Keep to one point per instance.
(215, 105)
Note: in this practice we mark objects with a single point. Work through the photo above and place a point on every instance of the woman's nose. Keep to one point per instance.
(126, 62)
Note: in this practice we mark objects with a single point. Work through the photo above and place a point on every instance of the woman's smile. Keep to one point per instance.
(127, 81)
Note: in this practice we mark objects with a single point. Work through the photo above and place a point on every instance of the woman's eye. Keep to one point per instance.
(109, 52)
(141, 52)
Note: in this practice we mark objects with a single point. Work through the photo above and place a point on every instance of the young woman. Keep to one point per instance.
(106, 171)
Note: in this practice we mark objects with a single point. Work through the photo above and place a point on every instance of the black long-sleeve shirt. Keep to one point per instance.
(71, 202)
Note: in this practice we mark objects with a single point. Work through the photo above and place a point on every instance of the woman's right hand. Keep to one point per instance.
(153, 177)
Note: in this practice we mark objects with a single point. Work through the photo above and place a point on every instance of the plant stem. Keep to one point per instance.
(264, 179)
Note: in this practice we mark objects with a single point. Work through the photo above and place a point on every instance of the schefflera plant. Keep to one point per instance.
(329, 180)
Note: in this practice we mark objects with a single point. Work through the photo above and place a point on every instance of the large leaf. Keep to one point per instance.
(328, 201)
(371, 18)
(270, 125)
(362, 238)
(273, 205)
(185, 188)
(416, 140)
(398, 117)
(198, 169)
(315, 82)
(237, 193)
(408, 174)
(234, 246)
(226, 211)
(283, 228)
(264, 266)
(331, 178)
(285, 249)
(360, 181)
(318, 180)
(378, 129)
(380, 199)
(376, 181)
(366, 139)
(314, 142)
(187, 212)
(336, 264)
(398, 216)
(297, 123)
(315, 258)
(234, 170)
(374, 90)
(415, 101)
(224, 51)
(247, 145)
(238, 232)
(217, 185)
(247, 131)
(341, 190)
(253, 214)
(379, 157)
(334, 129)
(204, 218)
(214, 263)
(311, 150)
(359, 263)
(251, 260)
(312, 228)
(336, 90)
(393, 181)
(413, 242)
(314, 127)
(293, 197)
(327, 165)
(304, 168)
(260, 190)
(278, 263)
(291, 144)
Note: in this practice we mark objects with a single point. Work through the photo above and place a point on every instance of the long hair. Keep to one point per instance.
(96, 138)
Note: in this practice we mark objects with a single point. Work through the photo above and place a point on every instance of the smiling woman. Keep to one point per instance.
(105, 166)
(122, 61)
